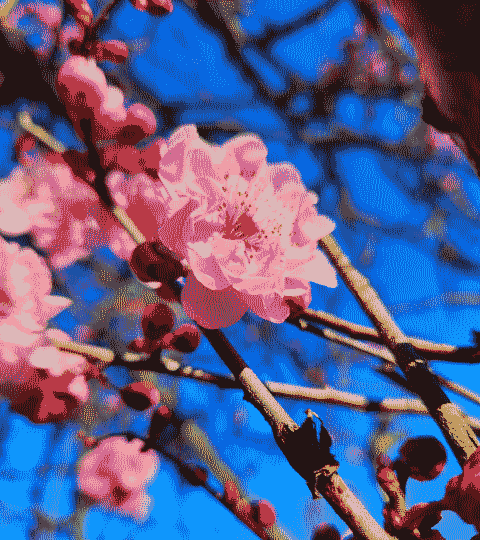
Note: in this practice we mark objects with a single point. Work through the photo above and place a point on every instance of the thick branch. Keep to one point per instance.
(448, 416)
(300, 445)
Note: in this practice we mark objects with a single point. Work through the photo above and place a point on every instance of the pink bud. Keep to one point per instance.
(325, 531)
(151, 155)
(159, 7)
(157, 320)
(140, 123)
(140, 395)
(113, 50)
(231, 494)
(263, 513)
(185, 339)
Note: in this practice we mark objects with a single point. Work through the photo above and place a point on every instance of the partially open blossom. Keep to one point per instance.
(247, 229)
(140, 123)
(116, 473)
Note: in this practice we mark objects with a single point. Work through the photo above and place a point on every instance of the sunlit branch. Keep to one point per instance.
(381, 352)
(431, 350)
(300, 444)
(449, 417)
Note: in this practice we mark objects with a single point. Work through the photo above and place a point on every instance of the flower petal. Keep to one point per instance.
(211, 309)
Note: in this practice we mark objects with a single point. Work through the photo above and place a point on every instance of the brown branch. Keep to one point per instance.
(447, 415)
(432, 351)
(300, 445)
(383, 353)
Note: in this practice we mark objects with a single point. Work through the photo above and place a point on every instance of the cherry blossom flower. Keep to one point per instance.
(63, 213)
(247, 229)
(116, 473)
(43, 383)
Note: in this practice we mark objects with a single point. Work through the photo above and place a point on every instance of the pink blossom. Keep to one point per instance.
(83, 88)
(63, 213)
(116, 473)
(42, 382)
(248, 230)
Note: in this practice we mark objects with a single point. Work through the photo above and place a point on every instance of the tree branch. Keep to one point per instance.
(446, 414)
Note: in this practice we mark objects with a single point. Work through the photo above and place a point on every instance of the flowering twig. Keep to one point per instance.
(192, 475)
(308, 456)
(142, 362)
(448, 416)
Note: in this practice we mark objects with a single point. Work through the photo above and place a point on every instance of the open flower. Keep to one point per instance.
(116, 473)
(63, 213)
(42, 383)
(247, 229)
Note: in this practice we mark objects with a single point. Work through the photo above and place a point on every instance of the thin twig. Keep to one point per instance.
(449, 417)
(430, 349)
(328, 395)
(383, 353)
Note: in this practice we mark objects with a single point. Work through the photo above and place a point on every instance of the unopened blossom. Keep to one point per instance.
(115, 473)
(63, 213)
(247, 229)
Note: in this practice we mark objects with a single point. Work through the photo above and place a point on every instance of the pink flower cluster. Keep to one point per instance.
(62, 211)
(42, 382)
(248, 230)
(116, 474)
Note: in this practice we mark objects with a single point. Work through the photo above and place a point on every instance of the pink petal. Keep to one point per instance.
(268, 306)
(211, 309)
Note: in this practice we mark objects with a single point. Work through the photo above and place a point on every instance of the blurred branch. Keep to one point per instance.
(431, 350)
(383, 353)
(449, 417)
(142, 362)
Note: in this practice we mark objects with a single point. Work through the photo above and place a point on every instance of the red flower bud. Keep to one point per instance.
(425, 457)
(157, 321)
(113, 50)
(263, 513)
(140, 395)
(231, 494)
(325, 531)
(185, 339)
(152, 261)
(140, 123)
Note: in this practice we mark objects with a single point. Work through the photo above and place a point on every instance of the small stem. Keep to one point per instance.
(422, 381)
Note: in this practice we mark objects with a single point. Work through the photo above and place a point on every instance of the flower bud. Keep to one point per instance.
(425, 457)
(325, 531)
(140, 395)
(157, 321)
(231, 494)
(113, 50)
(140, 123)
(152, 261)
(263, 513)
(185, 339)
